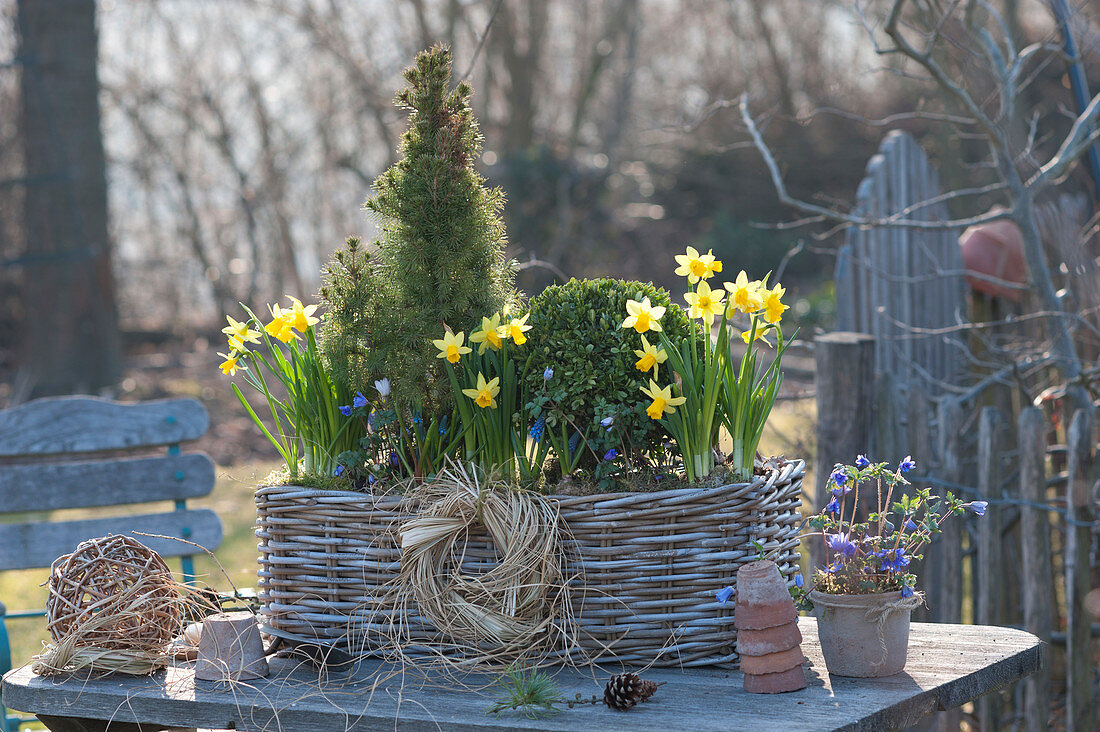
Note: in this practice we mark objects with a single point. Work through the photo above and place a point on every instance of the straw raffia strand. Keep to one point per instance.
(508, 610)
(113, 606)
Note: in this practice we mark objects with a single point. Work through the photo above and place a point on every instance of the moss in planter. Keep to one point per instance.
(331, 483)
(640, 481)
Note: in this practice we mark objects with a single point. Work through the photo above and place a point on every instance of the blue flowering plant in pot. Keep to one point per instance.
(866, 591)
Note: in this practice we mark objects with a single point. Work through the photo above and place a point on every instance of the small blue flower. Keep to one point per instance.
(574, 441)
(339, 470)
(548, 374)
(841, 544)
(798, 581)
(417, 419)
(889, 527)
(538, 428)
(906, 591)
(833, 506)
(862, 461)
(370, 480)
(345, 410)
(443, 425)
(611, 454)
(841, 491)
(394, 460)
(723, 595)
(907, 464)
(359, 400)
(893, 560)
(833, 568)
(839, 477)
(909, 525)
(977, 507)
(607, 422)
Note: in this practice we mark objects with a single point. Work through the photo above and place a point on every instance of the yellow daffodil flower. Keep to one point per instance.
(299, 317)
(773, 308)
(229, 365)
(642, 316)
(663, 401)
(516, 328)
(696, 266)
(760, 331)
(489, 335)
(280, 326)
(649, 357)
(236, 347)
(241, 332)
(451, 348)
(705, 303)
(484, 394)
(744, 295)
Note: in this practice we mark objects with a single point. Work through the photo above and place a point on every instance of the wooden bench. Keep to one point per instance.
(82, 452)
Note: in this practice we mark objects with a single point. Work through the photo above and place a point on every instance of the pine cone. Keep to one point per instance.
(625, 691)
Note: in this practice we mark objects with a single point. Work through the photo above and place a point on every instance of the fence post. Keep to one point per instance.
(1079, 671)
(987, 562)
(845, 385)
(1035, 553)
(945, 555)
(920, 444)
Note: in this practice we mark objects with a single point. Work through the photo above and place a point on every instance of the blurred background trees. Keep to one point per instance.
(242, 137)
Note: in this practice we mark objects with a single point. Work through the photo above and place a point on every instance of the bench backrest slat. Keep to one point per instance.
(61, 425)
(85, 452)
(35, 545)
(50, 486)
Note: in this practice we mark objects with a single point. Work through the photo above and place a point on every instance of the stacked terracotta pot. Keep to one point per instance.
(767, 631)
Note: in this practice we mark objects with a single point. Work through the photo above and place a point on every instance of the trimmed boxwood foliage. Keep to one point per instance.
(577, 332)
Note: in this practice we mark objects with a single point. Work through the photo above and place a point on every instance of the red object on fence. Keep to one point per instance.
(996, 250)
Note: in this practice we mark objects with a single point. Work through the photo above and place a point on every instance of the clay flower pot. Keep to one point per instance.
(863, 635)
(996, 249)
(763, 600)
(768, 640)
(778, 683)
(767, 631)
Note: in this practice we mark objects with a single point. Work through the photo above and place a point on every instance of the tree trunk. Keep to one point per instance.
(71, 341)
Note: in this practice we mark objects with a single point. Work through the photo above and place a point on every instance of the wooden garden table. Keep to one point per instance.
(949, 665)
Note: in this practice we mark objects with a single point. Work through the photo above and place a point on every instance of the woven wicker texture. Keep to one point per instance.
(651, 563)
(114, 575)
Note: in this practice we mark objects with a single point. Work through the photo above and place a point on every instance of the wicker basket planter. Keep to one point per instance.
(650, 563)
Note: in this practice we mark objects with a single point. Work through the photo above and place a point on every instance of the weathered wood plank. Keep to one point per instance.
(844, 279)
(946, 552)
(920, 442)
(1035, 551)
(57, 425)
(948, 665)
(989, 564)
(1079, 646)
(50, 486)
(34, 545)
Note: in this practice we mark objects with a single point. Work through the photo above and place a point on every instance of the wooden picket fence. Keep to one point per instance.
(892, 382)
